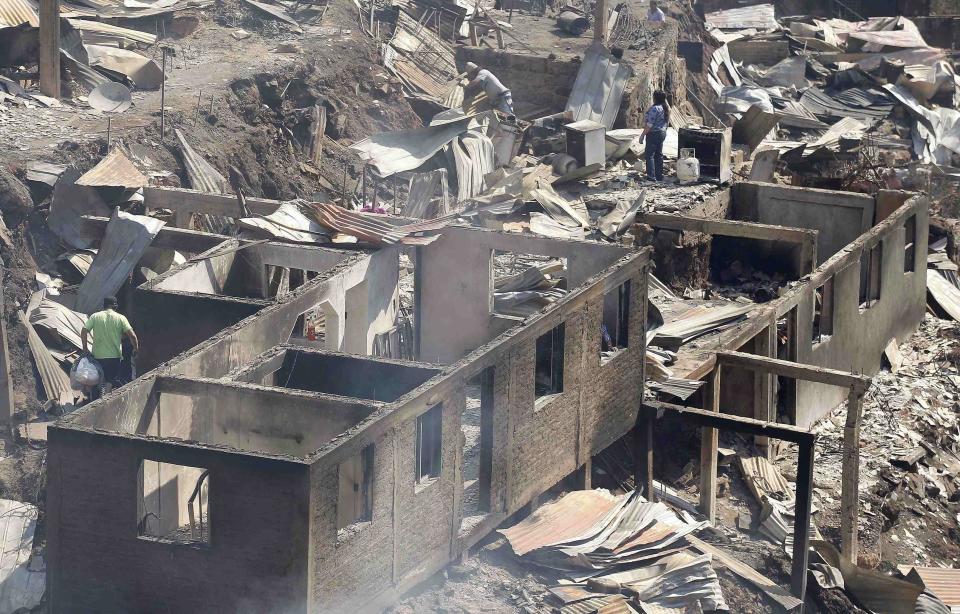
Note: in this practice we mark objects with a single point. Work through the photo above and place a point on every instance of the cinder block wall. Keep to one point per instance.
(256, 560)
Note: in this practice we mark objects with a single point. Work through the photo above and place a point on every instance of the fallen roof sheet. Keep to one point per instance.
(68, 204)
(367, 227)
(20, 588)
(99, 32)
(700, 320)
(406, 150)
(204, 178)
(126, 238)
(944, 293)
(16, 12)
(422, 58)
(115, 170)
(599, 87)
(56, 384)
(864, 104)
(59, 320)
(567, 517)
(144, 72)
(288, 223)
(944, 583)
(761, 17)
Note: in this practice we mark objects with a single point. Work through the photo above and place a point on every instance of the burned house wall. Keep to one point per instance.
(454, 275)
(839, 217)
(228, 345)
(655, 67)
(256, 558)
(860, 336)
(343, 375)
(536, 442)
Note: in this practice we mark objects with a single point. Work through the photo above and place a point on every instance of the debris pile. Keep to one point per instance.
(620, 545)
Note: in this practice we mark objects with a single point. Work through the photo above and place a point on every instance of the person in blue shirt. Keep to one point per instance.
(655, 133)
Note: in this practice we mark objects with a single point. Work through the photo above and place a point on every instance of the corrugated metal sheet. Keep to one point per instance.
(599, 87)
(761, 17)
(204, 178)
(944, 293)
(126, 238)
(609, 604)
(20, 588)
(16, 12)
(99, 32)
(115, 170)
(406, 150)
(59, 320)
(432, 55)
(565, 518)
(367, 227)
(56, 384)
(288, 223)
(868, 105)
(762, 477)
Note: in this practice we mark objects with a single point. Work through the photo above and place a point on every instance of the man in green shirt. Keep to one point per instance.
(108, 328)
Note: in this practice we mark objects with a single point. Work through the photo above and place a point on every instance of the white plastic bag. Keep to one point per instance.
(86, 372)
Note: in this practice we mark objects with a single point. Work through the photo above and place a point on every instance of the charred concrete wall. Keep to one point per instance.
(351, 376)
(536, 82)
(454, 274)
(860, 335)
(259, 522)
(415, 528)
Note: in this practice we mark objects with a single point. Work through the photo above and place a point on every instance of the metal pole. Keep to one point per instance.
(109, 121)
(600, 22)
(196, 119)
(363, 188)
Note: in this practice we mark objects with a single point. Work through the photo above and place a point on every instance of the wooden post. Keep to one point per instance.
(709, 441)
(764, 399)
(50, 48)
(850, 483)
(600, 22)
(500, 44)
(643, 471)
(801, 525)
(6, 384)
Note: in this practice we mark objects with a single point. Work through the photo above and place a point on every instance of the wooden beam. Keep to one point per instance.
(850, 481)
(748, 426)
(801, 524)
(764, 399)
(600, 22)
(643, 468)
(795, 370)
(180, 239)
(6, 384)
(728, 228)
(50, 48)
(181, 199)
(709, 442)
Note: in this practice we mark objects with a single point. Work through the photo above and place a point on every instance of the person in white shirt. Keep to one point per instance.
(655, 14)
(499, 95)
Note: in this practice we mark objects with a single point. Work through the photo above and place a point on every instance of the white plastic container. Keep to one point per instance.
(688, 167)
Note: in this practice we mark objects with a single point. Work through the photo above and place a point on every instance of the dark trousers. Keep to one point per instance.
(654, 154)
(111, 375)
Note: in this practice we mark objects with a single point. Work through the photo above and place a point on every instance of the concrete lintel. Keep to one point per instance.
(181, 239)
(203, 385)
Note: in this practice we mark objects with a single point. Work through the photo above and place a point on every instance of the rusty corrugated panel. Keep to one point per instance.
(16, 12)
(116, 170)
(555, 522)
(366, 227)
(203, 176)
(762, 477)
(761, 17)
(944, 583)
(609, 604)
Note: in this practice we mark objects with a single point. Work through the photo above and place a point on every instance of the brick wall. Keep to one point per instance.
(256, 559)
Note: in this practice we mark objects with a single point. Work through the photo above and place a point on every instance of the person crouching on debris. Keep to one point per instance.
(655, 133)
(499, 95)
(108, 328)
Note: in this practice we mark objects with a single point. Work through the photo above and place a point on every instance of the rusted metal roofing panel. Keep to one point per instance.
(115, 170)
(56, 384)
(366, 227)
(421, 45)
(16, 12)
(610, 604)
(761, 17)
(944, 583)
(555, 522)
(105, 33)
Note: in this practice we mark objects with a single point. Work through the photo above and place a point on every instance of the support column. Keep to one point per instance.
(583, 478)
(50, 48)
(764, 399)
(643, 471)
(801, 525)
(850, 483)
(600, 22)
(709, 441)
(6, 385)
